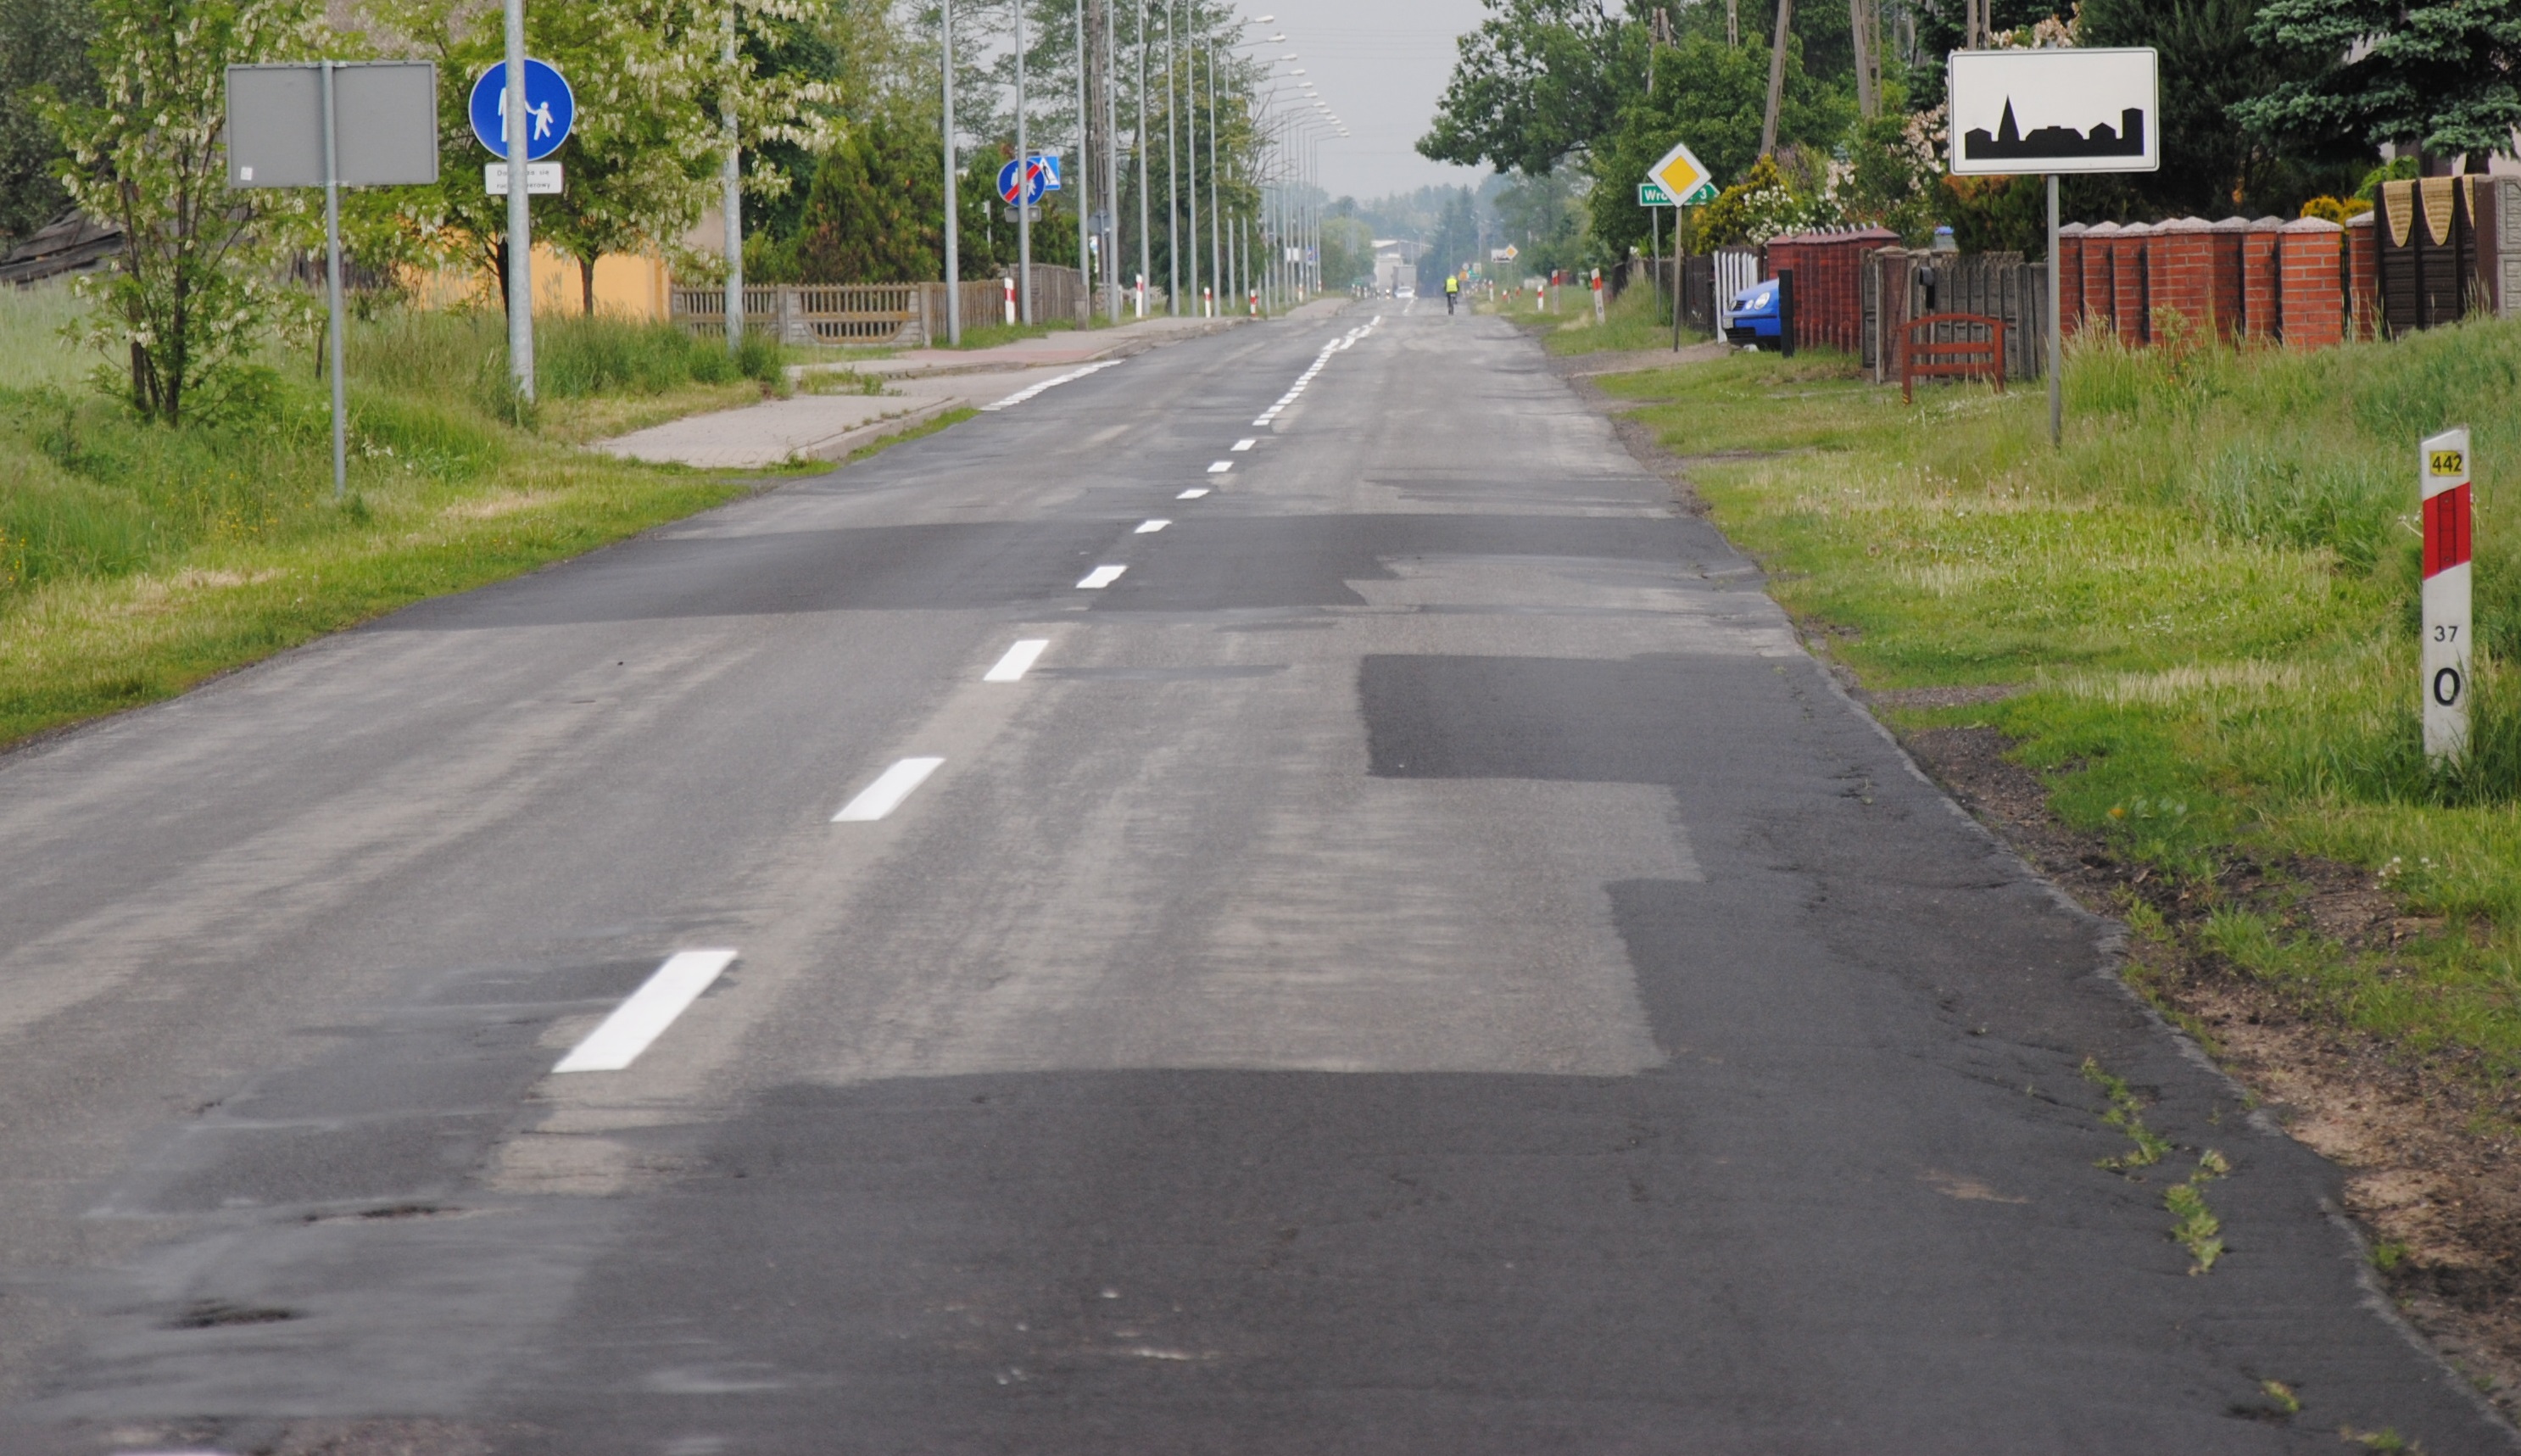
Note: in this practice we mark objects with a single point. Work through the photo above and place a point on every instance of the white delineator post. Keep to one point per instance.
(2444, 472)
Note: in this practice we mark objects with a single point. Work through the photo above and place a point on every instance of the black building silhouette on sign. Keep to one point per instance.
(2126, 139)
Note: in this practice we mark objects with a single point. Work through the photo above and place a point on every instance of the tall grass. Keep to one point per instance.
(576, 357)
(87, 491)
(33, 349)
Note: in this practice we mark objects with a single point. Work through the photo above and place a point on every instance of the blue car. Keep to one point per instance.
(1754, 317)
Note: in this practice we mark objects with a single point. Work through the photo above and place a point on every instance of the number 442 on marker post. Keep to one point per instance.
(2444, 463)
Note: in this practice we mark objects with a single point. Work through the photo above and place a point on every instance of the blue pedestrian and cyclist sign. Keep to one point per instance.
(1044, 178)
(550, 110)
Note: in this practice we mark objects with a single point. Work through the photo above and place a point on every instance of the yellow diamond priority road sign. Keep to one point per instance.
(1680, 173)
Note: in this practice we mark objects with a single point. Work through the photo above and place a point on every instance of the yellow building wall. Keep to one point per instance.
(626, 286)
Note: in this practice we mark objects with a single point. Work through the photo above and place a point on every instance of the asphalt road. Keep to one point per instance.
(1420, 961)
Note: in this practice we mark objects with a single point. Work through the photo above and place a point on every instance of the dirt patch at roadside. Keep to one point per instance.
(2432, 1164)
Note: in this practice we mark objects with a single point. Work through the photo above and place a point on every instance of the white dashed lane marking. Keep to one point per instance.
(1149, 528)
(886, 793)
(650, 1009)
(1018, 661)
(1100, 578)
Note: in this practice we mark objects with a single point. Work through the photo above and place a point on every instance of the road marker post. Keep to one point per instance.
(2443, 465)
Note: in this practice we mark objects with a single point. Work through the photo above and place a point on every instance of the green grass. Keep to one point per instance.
(1633, 321)
(137, 560)
(2207, 597)
(992, 335)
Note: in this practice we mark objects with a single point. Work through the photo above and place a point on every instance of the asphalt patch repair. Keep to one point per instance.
(2429, 1156)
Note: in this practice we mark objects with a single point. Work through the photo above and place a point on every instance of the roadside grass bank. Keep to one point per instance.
(1634, 320)
(135, 560)
(2177, 660)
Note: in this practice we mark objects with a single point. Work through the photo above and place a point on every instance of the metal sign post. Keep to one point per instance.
(2054, 109)
(333, 124)
(2443, 468)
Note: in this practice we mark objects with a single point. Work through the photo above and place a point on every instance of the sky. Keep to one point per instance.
(1382, 66)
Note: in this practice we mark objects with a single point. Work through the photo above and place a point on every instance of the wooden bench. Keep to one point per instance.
(1922, 356)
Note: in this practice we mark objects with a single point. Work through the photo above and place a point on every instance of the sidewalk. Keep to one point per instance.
(920, 386)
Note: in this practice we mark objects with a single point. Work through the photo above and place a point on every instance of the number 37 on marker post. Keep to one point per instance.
(2445, 464)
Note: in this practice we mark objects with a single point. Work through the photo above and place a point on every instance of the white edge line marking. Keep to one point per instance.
(1150, 527)
(1244, 445)
(650, 1009)
(1018, 660)
(1030, 390)
(1193, 493)
(886, 793)
(1100, 578)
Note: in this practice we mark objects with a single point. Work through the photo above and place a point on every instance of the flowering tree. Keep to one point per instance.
(201, 266)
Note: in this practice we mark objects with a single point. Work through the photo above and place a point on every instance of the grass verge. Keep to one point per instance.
(135, 560)
(1634, 320)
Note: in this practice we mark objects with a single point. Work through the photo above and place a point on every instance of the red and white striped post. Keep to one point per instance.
(1011, 297)
(2444, 463)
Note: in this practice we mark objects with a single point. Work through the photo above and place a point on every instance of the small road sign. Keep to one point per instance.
(1679, 175)
(385, 120)
(551, 109)
(542, 178)
(1044, 178)
(1652, 195)
(2058, 109)
(2442, 467)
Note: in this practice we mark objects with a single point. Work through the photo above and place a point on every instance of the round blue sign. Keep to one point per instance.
(1040, 182)
(550, 110)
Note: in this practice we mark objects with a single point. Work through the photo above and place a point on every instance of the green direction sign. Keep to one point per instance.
(1652, 195)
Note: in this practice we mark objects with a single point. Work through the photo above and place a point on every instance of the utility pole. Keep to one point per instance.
(1084, 173)
(1777, 78)
(1173, 166)
(730, 178)
(1733, 24)
(1863, 22)
(1190, 139)
(1146, 231)
(1111, 164)
(1216, 215)
(521, 241)
(953, 234)
(1024, 181)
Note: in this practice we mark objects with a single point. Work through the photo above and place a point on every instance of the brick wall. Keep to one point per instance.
(2224, 261)
(2100, 273)
(2070, 278)
(2312, 295)
(2179, 265)
(2362, 278)
(2259, 295)
(1829, 307)
(2130, 305)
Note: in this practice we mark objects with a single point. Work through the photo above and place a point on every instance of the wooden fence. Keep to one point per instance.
(1899, 284)
(900, 315)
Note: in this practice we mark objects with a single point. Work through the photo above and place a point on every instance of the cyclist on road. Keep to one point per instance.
(1452, 290)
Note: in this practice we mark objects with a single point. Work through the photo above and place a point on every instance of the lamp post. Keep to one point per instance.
(521, 243)
(1084, 174)
(1173, 166)
(1146, 234)
(730, 187)
(1024, 181)
(953, 226)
